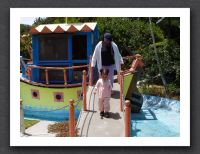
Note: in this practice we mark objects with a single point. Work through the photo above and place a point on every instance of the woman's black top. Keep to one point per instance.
(107, 55)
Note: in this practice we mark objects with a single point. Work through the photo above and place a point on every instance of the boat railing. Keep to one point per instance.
(125, 105)
(46, 81)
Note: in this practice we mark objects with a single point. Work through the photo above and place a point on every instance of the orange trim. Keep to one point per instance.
(46, 30)
(71, 118)
(127, 118)
(33, 31)
(135, 64)
(29, 72)
(47, 76)
(58, 30)
(86, 28)
(52, 85)
(65, 77)
(72, 29)
(58, 68)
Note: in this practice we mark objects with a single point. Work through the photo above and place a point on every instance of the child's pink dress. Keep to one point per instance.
(103, 89)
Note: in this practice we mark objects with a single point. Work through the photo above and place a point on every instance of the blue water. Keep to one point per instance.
(159, 117)
(47, 114)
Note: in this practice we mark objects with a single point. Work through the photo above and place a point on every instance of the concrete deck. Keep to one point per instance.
(90, 124)
(40, 129)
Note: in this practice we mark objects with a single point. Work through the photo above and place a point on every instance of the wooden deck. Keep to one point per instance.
(90, 124)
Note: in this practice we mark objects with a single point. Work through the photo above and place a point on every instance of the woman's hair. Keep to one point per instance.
(104, 71)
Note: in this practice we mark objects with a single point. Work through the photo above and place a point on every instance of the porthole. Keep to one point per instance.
(35, 94)
(58, 97)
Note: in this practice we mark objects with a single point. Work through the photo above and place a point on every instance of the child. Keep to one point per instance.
(104, 87)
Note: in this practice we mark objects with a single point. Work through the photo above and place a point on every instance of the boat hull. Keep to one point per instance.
(49, 103)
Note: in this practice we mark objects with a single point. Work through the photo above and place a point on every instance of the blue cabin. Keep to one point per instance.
(61, 45)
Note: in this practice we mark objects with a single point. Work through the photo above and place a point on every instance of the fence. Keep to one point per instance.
(125, 106)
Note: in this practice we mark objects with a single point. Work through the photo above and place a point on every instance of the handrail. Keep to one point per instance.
(58, 68)
(125, 106)
(47, 84)
(47, 68)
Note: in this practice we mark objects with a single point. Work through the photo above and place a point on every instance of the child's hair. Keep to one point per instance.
(104, 71)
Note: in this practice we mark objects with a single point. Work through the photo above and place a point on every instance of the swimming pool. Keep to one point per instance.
(48, 114)
(159, 117)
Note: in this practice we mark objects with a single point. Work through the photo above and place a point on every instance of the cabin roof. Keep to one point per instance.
(62, 28)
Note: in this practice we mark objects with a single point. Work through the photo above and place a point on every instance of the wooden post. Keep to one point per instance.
(71, 118)
(121, 90)
(65, 77)
(30, 73)
(137, 61)
(47, 76)
(84, 82)
(127, 118)
(22, 128)
(91, 72)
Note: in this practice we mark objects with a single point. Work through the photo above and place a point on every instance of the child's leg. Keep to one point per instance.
(106, 104)
(101, 106)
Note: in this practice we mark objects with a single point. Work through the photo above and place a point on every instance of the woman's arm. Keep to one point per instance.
(95, 55)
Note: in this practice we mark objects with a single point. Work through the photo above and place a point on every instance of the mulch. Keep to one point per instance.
(60, 128)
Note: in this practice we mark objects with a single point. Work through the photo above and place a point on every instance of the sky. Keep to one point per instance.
(27, 20)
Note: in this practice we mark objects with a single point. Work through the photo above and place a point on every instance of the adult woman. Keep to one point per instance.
(107, 56)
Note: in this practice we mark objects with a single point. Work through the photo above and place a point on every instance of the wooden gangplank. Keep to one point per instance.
(90, 124)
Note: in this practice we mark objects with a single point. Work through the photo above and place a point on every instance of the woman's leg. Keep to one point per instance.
(111, 73)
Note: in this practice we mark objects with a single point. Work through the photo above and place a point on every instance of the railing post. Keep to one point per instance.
(71, 118)
(137, 61)
(30, 73)
(47, 76)
(127, 118)
(91, 72)
(65, 77)
(22, 128)
(84, 82)
(121, 90)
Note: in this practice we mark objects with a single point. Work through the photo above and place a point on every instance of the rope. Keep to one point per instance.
(77, 102)
(47, 110)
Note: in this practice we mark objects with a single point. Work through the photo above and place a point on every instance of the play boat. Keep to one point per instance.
(60, 52)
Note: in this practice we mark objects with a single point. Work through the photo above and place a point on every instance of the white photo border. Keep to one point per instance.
(17, 13)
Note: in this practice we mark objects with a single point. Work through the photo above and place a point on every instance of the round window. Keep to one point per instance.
(58, 97)
(35, 94)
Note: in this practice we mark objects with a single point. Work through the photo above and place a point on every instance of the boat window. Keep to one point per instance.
(53, 47)
(79, 47)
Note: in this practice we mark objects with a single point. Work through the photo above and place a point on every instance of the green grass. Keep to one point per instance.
(29, 123)
(158, 90)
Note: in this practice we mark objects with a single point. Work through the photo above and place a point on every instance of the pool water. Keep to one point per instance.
(159, 117)
(50, 115)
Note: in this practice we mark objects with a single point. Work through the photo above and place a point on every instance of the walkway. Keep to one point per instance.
(40, 129)
(90, 124)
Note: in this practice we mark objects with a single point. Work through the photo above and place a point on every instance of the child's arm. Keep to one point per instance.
(96, 87)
